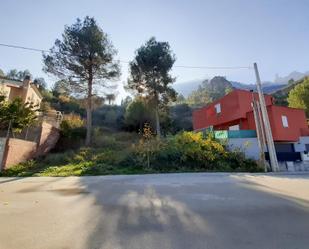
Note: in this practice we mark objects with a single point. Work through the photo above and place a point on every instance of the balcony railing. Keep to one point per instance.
(53, 118)
(225, 134)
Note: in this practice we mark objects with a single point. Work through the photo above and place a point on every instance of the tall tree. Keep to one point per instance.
(14, 74)
(110, 97)
(40, 82)
(137, 114)
(299, 96)
(150, 75)
(85, 59)
(61, 87)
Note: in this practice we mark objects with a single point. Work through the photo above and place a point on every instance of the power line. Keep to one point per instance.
(25, 48)
(127, 62)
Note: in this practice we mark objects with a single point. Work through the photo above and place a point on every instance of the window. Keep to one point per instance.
(285, 121)
(218, 108)
(234, 128)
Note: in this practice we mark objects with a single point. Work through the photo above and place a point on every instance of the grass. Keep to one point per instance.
(84, 162)
(114, 155)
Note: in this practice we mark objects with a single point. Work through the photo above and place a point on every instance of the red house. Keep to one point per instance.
(234, 112)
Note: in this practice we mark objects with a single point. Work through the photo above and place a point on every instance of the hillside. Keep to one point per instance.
(282, 94)
(186, 88)
(295, 75)
(268, 87)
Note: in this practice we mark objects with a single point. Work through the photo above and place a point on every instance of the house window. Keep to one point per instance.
(234, 128)
(218, 108)
(285, 121)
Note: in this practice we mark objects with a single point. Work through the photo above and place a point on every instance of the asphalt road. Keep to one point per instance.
(184, 211)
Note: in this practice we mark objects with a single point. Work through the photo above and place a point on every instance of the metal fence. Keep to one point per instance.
(32, 133)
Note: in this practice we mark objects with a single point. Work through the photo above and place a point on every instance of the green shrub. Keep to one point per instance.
(185, 152)
(57, 158)
(72, 126)
(189, 151)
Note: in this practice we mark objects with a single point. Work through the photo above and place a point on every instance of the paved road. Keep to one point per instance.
(184, 211)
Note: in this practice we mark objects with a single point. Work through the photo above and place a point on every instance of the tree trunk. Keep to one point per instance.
(89, 112)
(158, 129)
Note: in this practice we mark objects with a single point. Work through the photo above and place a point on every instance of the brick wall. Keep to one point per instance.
(17, 151)
(48, 139)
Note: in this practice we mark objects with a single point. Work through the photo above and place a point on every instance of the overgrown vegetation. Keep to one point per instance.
(184, 152)
(16, 114)
(299, 96)
(120, 139)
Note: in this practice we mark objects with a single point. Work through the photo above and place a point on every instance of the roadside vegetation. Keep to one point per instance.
(149, 132)
(131, 153)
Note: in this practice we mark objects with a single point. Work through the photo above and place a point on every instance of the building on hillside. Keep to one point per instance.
(25, 89)
(233, 113)
(33, 141)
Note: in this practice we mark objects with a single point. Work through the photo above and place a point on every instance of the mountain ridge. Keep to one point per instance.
(269, 87)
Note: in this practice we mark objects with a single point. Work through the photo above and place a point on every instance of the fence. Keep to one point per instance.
(32, 141)
(32, 132)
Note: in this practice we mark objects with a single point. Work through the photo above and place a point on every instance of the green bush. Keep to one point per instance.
(72, 126)
(73, 133)
(189, 151)
(185, 152)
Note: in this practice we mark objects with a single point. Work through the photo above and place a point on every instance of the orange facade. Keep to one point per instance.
(234, 111)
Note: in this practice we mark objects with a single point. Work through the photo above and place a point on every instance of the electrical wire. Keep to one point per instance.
(127, 62)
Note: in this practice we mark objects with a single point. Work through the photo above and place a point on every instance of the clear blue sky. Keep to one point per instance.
(274, 33)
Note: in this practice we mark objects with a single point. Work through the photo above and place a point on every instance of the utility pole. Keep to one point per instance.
(259, 131)
(266, 123)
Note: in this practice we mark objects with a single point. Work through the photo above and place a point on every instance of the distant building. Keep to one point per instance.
(232, 118)
(234, 112)
(33, 141)
(25, 89)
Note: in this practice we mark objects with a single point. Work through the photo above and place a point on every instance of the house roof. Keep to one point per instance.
(19, 84)
(11, 82)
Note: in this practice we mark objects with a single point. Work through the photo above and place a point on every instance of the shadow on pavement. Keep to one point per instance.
(150, 216)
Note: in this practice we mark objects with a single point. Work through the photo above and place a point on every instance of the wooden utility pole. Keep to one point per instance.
(269, 137)
(259, 132)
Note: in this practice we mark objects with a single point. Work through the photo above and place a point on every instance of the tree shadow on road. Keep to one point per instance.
(145, 216)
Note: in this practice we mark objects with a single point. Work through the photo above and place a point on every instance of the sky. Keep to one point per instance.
(273, 33)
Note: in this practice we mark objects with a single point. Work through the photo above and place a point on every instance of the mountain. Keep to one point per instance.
(293, 75)
(282, 94)
(268, 87)
(217, 87)
(186, 88)
(209, 90)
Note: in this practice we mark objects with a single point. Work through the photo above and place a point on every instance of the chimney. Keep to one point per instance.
(26, 81)
(26, 86)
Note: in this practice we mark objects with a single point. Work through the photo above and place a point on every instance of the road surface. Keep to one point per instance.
(167, 211)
